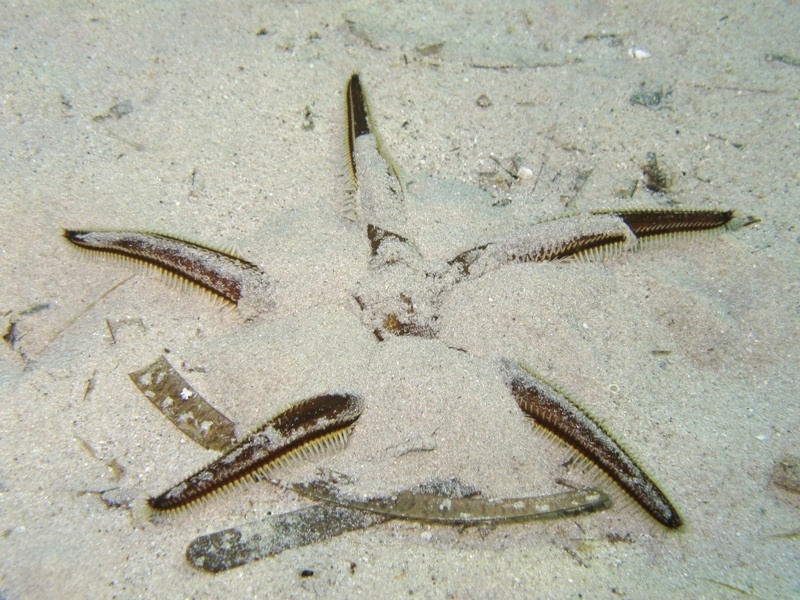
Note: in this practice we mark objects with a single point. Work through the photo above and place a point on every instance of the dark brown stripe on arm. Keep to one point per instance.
(378, 236)
(645, 223)
(581, 244)
(357, 118)
(357, 108)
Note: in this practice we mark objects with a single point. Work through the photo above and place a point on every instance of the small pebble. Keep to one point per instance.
(483, 101)
(639, 53)
(786, 473)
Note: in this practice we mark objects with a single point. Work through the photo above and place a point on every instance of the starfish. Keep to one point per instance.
(401, 294)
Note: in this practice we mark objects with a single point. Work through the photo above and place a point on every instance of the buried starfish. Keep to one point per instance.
(401, 296)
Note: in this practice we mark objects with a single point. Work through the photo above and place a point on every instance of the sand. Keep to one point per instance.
(223, 123)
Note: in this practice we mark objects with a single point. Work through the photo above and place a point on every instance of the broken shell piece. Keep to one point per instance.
(525, 173)
(639, 53)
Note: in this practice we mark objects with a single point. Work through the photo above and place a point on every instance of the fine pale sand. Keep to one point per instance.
(223, 123)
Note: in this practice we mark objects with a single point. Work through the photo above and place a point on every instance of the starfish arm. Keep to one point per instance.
(584, 235)
(379, 186)
(553, 411)
(227, 276)
(543, 242)
(322, 420)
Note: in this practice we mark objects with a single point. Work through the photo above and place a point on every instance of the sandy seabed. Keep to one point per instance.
(223, 123)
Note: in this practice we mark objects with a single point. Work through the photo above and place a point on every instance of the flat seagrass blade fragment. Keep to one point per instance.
(243, 544)
(438, 501)
(183, 406)
(451, 502)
